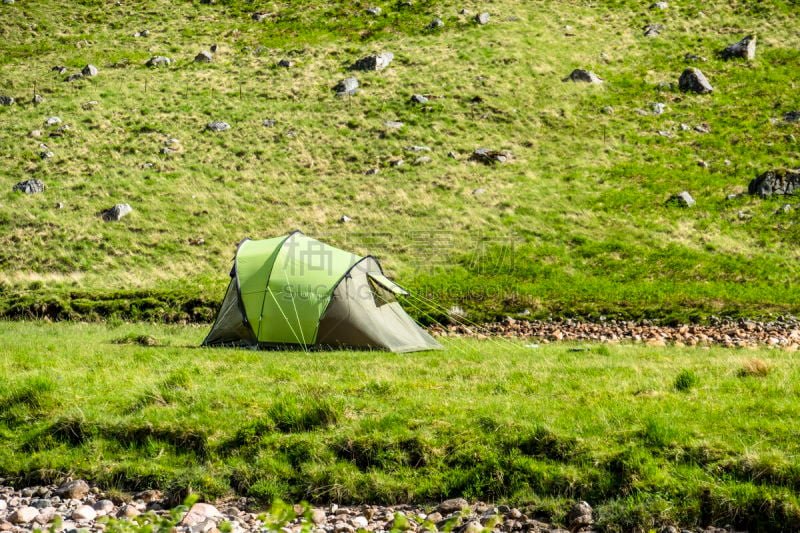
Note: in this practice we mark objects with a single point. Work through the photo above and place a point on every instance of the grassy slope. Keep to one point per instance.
(490, 420)
(580, 209)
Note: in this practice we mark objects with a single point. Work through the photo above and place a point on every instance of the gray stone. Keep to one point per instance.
(157, 61)
(478, 191)
(90, 104)
(452, 155)
(659, 5)
(76, 76)
(668, 529)
(665, 133)
(422, 160)
(374, 11)
(285, 63)
(60, 69)
(6, 100)
(40, 503)
(486, 156)
(89, 70)
(580, 516)
(701, 128)
(38, 99)
(200, 512)
(167, 151)
(792, 116)
(584, 76)
(84, 512)
(104, 507)
(347, 86)
(695, 81)
(652, 30)
(745, 49)
(218, 126)
(128, 511)
(393, 124)
(683, 199)
(657, 108)
(46, 515)
(46, 155)
(435, 23)
(359, 522)
(204, 57)
(419, 98)
(29, 186)
(268, 123)
(52, 121)
(143, 33)
(781, 182)
(694, 57)
(472, 526)
(318, 516)
(23, 515)
(454, 505)
(607, 110)
(373, 62)
(258, 17)
(115, 213)
(482, 18)
(418, 149)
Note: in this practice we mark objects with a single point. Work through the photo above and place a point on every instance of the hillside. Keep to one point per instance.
(575, 223)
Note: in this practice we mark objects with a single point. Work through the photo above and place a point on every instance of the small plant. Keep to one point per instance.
(754, 367)
(686, 380)
(141, 340)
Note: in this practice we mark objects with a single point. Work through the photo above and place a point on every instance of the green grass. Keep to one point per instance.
(131, 406)
(581, 208)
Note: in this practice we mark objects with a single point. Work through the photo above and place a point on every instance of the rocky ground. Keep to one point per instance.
(77, 507)
(783, 333)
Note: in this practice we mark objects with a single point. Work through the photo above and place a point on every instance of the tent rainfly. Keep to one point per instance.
(297, 291)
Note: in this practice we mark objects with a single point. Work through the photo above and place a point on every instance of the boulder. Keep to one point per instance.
(482, 18)
(84, 512)
(486, 156)
(23, 515)
(781, 182)
(693, 80)
(6, 100)
(75, 489)
(115, 213)
(200, 512)
(419, 98)
(258, 17)
(435, 23)
(38, 99)
(89, 70)
(76, 76)
(373, 62)
(745, 49)
(285, 63)
(374, 11)
(584, 76)
(347, 86)
(52, 121)
(792, 116)
(453, 505)
(580, 516)
(683, 199)
(157, 61)
(204, 57)
(218, 126)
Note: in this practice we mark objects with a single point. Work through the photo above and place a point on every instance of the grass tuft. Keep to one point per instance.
(754, 367)
(685, 381)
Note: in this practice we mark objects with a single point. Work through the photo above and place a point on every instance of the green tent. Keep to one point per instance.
(295, 290)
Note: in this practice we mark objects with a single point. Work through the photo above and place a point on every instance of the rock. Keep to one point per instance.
(46, 155)
(472, 526)
(115, 213)
(104, 507)
(694, 57)
(419, 98)
(694, 80)
(422, 160)
(52, 121)
(75, 489)
(345, 219)
(652, 30)
(46, 515)
(143, 33)
(664, 133)
(200, 512)
(218, 126)
(35, 133)
(23, 515)
(347, 86)
(668, 529)
(452, 155)
(580, 516)
(585, 76)
(454, 505)
(285, 63)
(5, 525)
(683, 199)
(258, 17)
(128, 511)
(374, 11)
(214, 48)
(393, 124)
(157, 61)
(6, 100)
(268, 123)
(38, 99)
(791, 116)
(204, 57)
(90, 104)
(359, 522)
(60, 69)
(659, 5)
(435, 23)
(373, 62)
(318, 516)
(40, 503)
(76, 76)
(89, 70)
(484, 155)
(482, 18)
(29, 186)
(781, 182)
(702, 128)
(418, 149)
(478, 191)
(84, 512)
(745, 49)
(167, 151)
(657, 108)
